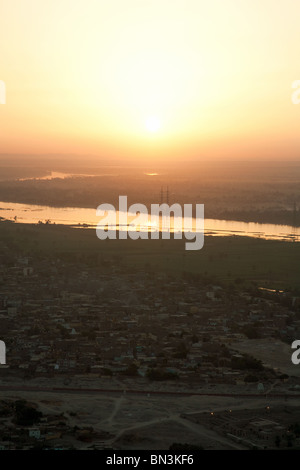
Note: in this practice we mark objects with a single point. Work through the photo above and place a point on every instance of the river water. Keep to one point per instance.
(84, 217)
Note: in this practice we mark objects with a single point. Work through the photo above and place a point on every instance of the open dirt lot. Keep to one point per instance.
(272, 352)
(144, 421)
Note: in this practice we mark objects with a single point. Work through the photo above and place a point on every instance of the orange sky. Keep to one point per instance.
(88, 76)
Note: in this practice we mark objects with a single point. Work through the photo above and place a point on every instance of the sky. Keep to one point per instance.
(150, 79)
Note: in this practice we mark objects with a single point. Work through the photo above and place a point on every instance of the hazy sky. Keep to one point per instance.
(150, 78)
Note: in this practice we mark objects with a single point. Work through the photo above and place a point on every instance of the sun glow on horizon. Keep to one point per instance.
(153, 124)
(154, 78)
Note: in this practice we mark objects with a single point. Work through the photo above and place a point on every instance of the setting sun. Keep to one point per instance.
(131, 70)
(153, 124)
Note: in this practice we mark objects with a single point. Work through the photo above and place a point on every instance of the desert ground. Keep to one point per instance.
(141, 421)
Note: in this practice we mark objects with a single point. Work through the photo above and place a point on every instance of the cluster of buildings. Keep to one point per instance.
(63, 317)
(264, 429)
(48, 431)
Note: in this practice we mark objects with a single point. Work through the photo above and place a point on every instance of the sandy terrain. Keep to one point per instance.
(272, 352)
(140, 421)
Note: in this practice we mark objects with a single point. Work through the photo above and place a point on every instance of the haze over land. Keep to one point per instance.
(151, 80)
(265, 192)
(195, 96)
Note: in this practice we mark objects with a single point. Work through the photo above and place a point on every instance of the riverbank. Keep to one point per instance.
(87, 217)
(266, 193)
(233, 260)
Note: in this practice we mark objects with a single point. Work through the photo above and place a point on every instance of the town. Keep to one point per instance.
(75, 322)
(60, 316)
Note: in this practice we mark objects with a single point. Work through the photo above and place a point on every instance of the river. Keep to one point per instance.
(87, 218)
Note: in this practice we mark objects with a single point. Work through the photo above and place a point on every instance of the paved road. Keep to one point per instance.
(13, 388)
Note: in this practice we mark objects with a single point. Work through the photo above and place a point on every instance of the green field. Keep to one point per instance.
(272, 264)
